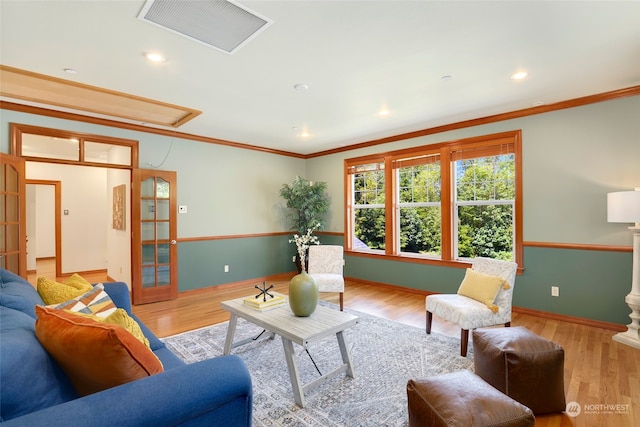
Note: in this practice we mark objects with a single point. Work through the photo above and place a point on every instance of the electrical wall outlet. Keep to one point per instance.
(555, 291)
(293, 258)
(226, 268)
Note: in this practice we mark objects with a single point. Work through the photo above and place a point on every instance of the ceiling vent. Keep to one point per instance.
(222, 24)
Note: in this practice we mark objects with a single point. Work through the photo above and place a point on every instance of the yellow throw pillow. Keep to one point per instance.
(120, 318)
(481, 287)
(95, 355)
(53, 292)
(77, 281)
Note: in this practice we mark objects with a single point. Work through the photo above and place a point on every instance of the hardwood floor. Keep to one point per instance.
(597, 371)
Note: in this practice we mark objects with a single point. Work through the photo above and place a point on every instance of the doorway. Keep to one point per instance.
(84, 241)
(43, 223)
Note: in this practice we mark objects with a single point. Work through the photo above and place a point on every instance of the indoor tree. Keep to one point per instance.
(308, 202)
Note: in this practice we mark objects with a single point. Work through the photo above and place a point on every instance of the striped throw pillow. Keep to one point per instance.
(96, 302)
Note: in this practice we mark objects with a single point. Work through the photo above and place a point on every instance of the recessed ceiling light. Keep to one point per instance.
(519, 75)
(538, 103)
(301, 87)
(154, 57)
(446, 78)
(70, 71)
(300, 132)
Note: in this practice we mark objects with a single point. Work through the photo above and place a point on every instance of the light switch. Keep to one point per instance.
(182, 209)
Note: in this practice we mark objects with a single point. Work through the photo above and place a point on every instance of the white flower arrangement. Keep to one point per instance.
(303, 243)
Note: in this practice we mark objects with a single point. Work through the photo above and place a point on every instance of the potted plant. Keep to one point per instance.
(308, 202)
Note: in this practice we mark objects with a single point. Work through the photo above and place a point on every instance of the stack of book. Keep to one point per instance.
(260, 304)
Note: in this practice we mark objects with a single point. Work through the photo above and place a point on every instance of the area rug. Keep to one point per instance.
(385, 355)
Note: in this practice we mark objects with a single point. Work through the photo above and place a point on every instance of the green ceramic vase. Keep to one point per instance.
(303, 294)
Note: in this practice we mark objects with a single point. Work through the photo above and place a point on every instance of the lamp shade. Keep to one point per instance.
(623, 206)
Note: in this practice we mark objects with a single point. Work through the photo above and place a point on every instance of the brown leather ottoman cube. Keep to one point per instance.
(462, 399)
(522, 365)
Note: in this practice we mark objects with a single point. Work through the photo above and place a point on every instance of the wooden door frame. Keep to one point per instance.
(57, 188)
(16, 133)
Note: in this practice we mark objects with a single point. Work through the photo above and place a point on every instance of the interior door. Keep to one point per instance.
(154, 233)
(13, 220)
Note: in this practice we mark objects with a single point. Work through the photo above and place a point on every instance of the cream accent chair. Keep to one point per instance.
(325, 265)
(469, 313)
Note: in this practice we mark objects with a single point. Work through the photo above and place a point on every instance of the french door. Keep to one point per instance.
(154, 234)
(13, 234)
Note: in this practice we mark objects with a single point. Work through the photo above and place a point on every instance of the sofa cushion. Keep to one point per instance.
(95, 355)
(31, 380)
(96, 301)
(17, 293)
(481, 287)
(53, 292)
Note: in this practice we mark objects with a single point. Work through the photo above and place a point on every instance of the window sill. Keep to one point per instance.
(415, 259)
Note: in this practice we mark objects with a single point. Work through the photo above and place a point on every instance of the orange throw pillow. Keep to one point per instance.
(96, 356)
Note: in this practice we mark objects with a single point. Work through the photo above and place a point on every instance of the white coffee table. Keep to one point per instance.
(300, 330)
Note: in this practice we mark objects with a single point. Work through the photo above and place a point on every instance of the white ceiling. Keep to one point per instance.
(355, 56)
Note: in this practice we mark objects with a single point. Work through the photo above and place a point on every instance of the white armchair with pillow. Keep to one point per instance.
(483, 299)
(325, 266)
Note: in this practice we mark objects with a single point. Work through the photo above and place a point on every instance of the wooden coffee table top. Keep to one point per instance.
(301, 330)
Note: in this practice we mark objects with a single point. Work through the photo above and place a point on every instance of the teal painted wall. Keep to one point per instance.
(592, 284)
(571, 159)
(424, 277)
(201, 263)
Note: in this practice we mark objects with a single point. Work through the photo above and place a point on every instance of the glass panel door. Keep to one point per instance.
(154, 236)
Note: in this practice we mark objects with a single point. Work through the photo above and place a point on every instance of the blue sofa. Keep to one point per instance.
(34, 391)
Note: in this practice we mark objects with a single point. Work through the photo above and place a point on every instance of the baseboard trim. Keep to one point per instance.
(571, 319)
(85, 272)
(521, 310)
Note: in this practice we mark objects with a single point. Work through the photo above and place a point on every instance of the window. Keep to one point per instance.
(418, 186)
(61, 146)
(368, 183)
(484, 203)
(442, 202)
